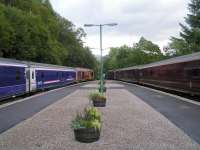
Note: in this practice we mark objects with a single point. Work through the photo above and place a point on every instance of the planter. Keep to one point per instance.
(87, 135)
(99, 103)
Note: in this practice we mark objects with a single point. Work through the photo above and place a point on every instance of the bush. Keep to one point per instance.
(90, 118)
(104, 89)
(97, 96)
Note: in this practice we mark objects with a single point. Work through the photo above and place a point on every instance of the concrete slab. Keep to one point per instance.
(110, 85)
(92, 85)
(128, 123)
(182, 113)
(114, 85)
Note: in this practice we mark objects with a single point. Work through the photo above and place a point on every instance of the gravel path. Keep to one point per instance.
(128, 124)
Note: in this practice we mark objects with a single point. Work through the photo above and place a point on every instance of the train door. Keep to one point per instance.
(76, 76)
(82, 76)
(27, 80)
(30, 79)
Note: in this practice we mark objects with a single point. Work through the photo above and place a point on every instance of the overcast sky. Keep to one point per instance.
(155, 20)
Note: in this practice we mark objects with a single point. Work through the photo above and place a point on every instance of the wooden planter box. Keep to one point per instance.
(99, 103)
(86, 135)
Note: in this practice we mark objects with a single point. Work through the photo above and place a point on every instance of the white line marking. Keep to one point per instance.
(168, 94)
(52, 81)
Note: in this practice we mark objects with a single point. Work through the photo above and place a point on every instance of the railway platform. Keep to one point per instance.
(134, 118)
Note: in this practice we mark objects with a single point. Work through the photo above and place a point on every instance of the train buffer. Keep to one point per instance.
(134, 118)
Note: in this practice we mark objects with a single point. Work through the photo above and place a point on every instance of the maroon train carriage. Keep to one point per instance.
(110, 75)
(179, 74)
(84, 74)
(130, 74)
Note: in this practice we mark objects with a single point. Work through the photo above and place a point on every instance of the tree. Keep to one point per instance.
(148, 46)
(141, 53)
(31, 30)
(190, 35)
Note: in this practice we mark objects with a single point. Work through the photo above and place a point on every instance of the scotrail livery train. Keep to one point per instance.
(20, 77)
(180, 74)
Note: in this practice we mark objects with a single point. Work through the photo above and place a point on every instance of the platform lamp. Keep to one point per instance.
(100, 26)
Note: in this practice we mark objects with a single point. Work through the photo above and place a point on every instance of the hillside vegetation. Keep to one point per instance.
(32, 30)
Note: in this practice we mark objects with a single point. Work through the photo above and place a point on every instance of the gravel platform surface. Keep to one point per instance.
(128, 124)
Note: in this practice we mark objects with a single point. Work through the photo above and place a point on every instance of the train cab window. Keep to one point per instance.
(17, 74)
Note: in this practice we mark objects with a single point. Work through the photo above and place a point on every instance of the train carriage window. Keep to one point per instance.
(42, 75)
(151, 72)
(27, 74)
(195, 73)
(17, 74)
(141, 74)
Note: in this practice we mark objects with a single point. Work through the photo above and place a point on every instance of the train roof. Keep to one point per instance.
(128, 68)
(12, 62)
(179, 59)
(48, 66)
(83, 69)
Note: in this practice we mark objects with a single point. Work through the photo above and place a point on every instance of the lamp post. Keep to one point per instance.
(100, 26)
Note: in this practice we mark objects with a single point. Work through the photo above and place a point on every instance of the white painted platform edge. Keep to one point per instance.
(39, 94)
(165, 93)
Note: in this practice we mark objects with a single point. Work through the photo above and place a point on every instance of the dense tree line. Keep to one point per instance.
(141, 53)
(32, 30)
(189, 40)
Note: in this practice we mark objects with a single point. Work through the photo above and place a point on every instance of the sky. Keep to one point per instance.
(155, 20)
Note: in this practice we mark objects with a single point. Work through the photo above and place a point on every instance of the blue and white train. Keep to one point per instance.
(21, 77)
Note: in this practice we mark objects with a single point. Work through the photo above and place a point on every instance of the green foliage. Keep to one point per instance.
(92, 113)
(189, 40)
(90, 118)
(141, 53)
(97, 96)
(180, 45)
(103, 87)
(31, 30)
(148, 47)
